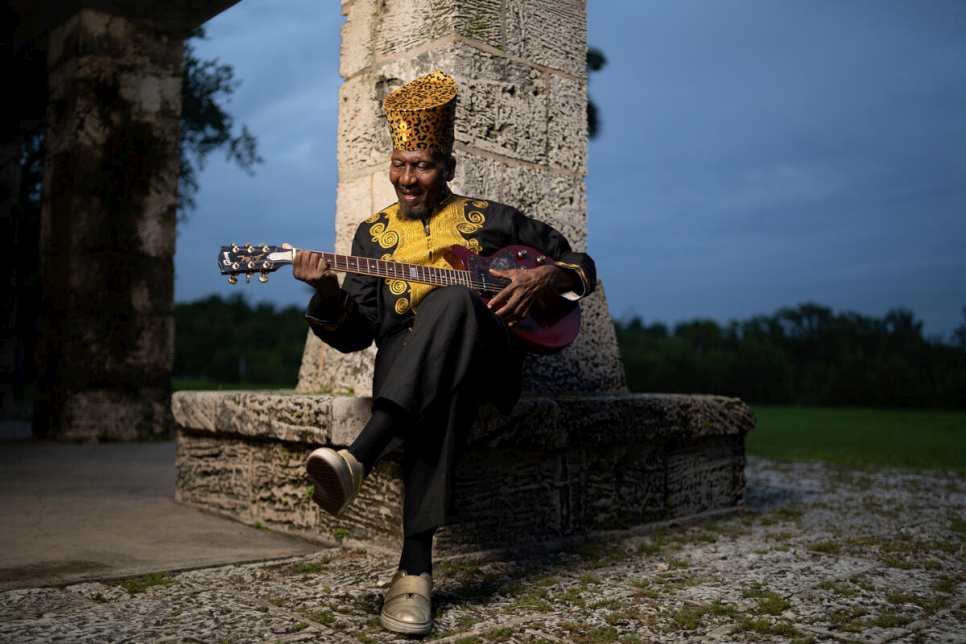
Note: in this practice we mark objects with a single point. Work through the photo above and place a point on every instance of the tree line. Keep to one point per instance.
(228, 340)
(804, 355)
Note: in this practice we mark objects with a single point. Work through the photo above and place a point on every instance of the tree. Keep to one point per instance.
(595, 62)
(959, 333)
(701, 335)
(228, 340)
(205, 125)
(806, 355)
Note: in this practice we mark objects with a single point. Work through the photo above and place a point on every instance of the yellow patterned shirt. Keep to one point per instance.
(417, 242)
(378, 306)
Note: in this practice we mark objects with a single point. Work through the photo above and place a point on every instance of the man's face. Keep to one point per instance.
(419, 177)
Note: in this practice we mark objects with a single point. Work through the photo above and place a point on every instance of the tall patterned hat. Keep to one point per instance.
(421, 113)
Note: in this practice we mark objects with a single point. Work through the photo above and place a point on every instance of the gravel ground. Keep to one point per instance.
(823, 554)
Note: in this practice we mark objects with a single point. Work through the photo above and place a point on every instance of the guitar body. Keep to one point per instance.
(552, 324)
(548, 328)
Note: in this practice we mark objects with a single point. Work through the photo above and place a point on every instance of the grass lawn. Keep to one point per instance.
(861, 437)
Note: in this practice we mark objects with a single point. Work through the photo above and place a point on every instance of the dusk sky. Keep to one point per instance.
(755, 154)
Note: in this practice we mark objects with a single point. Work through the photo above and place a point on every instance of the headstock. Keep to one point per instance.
(249, 259)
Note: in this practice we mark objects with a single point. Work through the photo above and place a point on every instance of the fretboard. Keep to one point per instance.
(480, 281)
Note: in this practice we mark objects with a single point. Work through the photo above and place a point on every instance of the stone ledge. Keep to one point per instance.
(555, 467)
(540, 422)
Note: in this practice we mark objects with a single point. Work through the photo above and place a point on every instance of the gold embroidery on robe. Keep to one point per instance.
(451, 224)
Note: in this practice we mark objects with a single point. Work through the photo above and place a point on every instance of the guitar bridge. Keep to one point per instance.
(479, 270)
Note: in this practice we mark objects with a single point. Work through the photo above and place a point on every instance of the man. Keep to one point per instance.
(442, 352)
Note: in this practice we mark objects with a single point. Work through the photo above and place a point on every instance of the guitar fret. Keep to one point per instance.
(555, 328)
(421, 274)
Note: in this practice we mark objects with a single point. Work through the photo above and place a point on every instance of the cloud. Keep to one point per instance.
(754, 154)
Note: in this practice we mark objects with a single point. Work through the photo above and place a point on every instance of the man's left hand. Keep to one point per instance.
(525, 290)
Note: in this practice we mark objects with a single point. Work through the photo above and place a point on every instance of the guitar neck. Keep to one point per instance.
(418, 273)
(552, 323)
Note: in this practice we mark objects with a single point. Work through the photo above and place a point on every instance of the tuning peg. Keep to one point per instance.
(248, 278)
(234, 248)
(264, 247)
(232, 279)
(263, 278)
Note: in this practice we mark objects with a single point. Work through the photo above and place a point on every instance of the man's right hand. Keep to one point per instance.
(310, 267)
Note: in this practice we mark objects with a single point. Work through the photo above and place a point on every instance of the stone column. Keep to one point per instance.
(521, 139)
(10, 149)
(105, 331)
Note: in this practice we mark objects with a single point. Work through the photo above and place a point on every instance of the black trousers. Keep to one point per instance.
(434, 377)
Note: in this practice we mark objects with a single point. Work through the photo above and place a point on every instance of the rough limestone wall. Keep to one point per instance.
(520, 139)
(554, 467)
(105, 330)
(553, 494)
(11, 149)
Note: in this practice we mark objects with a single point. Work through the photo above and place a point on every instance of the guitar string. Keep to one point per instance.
(424, 274)
(433, 275)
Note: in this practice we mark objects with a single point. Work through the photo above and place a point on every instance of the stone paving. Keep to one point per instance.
(823, 554)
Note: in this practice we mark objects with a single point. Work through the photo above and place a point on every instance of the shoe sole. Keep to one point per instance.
(331, 489)
(404, 628)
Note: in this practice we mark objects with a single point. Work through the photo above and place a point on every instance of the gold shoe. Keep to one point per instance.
(406, 608)
(337, 477)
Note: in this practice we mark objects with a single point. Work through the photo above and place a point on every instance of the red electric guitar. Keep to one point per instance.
(548, 329)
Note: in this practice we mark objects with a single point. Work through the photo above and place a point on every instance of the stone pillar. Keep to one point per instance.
(10, 149)
(521, 139)
(105, 330)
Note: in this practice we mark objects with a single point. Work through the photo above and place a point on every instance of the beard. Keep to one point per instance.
(423, 210)
(415, 211)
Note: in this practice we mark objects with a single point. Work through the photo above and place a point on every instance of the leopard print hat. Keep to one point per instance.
(422, 113)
